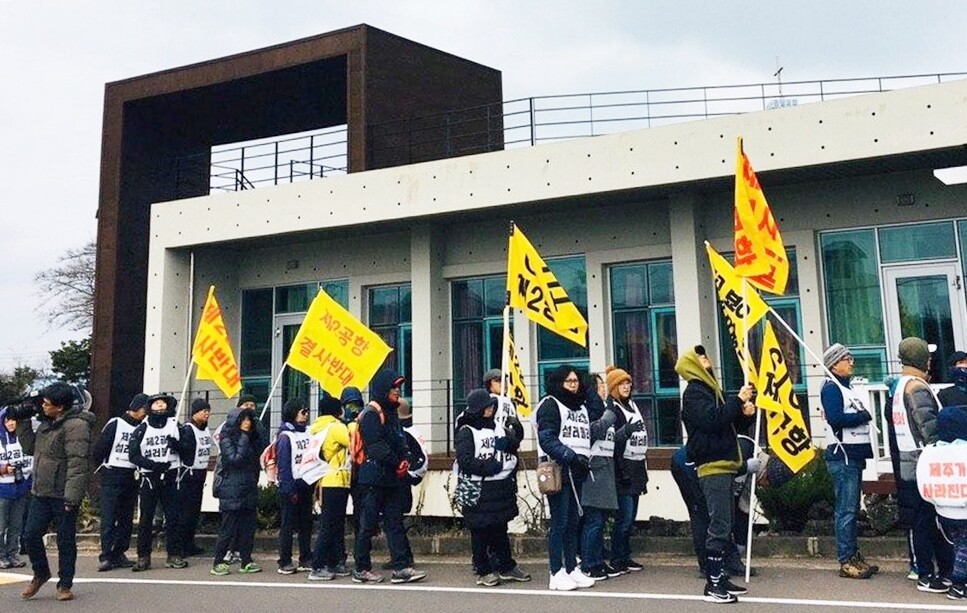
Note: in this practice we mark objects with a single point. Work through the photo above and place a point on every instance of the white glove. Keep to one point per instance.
(752, 465)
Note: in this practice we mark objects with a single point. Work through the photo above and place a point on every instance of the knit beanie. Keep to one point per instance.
(833, 354)
(915, 352)
(138, 402)
(614, 377)
(246, 398)
(200, 404)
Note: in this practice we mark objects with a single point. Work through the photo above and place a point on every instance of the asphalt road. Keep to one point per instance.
(665, 586)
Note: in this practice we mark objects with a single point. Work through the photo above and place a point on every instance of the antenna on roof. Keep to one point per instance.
(778, 75)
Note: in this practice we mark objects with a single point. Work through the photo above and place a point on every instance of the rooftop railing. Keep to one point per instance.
(516, 123)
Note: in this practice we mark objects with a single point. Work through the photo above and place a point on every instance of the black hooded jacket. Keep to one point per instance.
(155, 420)
(549, 417)
(498, 498)
(239, 454)
(382, 438)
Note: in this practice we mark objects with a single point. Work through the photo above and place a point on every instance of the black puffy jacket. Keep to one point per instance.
(711, 426)
(239, 452)
(498, 497)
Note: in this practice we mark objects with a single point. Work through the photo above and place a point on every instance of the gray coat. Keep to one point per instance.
(599, 490)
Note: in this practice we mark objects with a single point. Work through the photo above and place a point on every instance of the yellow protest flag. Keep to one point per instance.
(728, 286)
(335, 348)
(212, 351)
(533, 287)
(788, 435)
(760, 255)
(516, 389)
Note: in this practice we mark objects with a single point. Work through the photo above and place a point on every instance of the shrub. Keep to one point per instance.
(798, 498)
(269, 508)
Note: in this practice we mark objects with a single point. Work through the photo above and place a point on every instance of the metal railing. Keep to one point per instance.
(514, 123)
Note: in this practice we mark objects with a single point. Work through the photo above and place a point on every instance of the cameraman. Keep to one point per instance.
(61, 446)
(15, 481)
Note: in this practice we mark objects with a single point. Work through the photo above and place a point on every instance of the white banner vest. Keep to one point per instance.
(13, 453)
(203, 447)
(154, 444)
(299, 443)
(852, 404)
(575, 432)
(942, 478)
(118, 458)
(637, 446)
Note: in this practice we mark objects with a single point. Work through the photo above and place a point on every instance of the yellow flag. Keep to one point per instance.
(516, 389)
(760, 255)
(728, 286)
(788, 435)
(534, 288)
(212, 352)
(335, 348)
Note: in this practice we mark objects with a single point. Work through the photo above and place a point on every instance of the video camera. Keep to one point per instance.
(29, 406)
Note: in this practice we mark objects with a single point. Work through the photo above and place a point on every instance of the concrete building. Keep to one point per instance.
(418, 252)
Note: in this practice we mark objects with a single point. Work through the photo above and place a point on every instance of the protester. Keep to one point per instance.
(488, 459)
(506, 418)
(599, 498)
(242, 440)
(378, 472)
(956, 394)
(295, 495)
(119, 485)
(245, 401)
(849, 446)
(914, 408)
(328, 553)
(417, 462)
(631, 467)
(711, 421)
(16, 470)
(197, 441)
(61, 448)
(156, 450)
(564, 436)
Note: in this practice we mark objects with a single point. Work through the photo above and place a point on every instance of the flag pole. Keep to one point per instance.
(758, 427)
(275, 385)
(505, 360)
(184, 389)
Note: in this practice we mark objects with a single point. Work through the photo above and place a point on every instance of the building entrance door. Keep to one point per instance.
(925, 300)
(294, 384)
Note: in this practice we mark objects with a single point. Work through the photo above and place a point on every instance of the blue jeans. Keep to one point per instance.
(43, 512)
(11, 525)
(847, 479)
(592, 538)
(562, 538)
(624, 522)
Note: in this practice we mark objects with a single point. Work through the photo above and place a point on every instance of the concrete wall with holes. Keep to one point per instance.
(432, 222)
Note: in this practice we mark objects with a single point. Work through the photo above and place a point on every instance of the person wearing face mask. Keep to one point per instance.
(564, 436)
(712, 421)
(956, 394)
(119, 485)
(294, 493)
(378, 493)
(156, 449)
(197, 441)
(631, 468)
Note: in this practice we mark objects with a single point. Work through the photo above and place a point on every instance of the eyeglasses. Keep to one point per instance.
(303, 411)
(572, 380)
(848, 358)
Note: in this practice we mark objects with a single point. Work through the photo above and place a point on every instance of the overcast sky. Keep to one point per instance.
(55, 58)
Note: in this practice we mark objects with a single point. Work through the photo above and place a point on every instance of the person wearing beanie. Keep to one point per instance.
(479, 451)
(564, 436)
(506, 416)
(157, 450)
(197, 441)
(377, 492)
(848, 447)
(956, 394)
(330, 437)
(119, 485)
(914, 408)
(295, 495)
(599, 499)
(631, 468)
(712, 421)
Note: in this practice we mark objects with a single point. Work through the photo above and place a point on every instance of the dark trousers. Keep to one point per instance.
(119, 496)
(236, 527)
(372, 503)
(190, 494)
(331, 542)
(490, 549)
(296, 517)
(43, 512)
(624, 523)
(155, 489)
(928, 543)
(721, 505)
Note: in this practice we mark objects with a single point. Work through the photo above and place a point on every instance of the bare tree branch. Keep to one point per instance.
(67, 289)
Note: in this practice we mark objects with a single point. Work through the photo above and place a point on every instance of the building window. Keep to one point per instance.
(645, 343)
(390, 316)
(913, 243)
(554, 350)
(788, 307)
(477, 306)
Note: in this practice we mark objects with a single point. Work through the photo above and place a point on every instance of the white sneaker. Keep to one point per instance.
(580, 579)
(562, 581)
